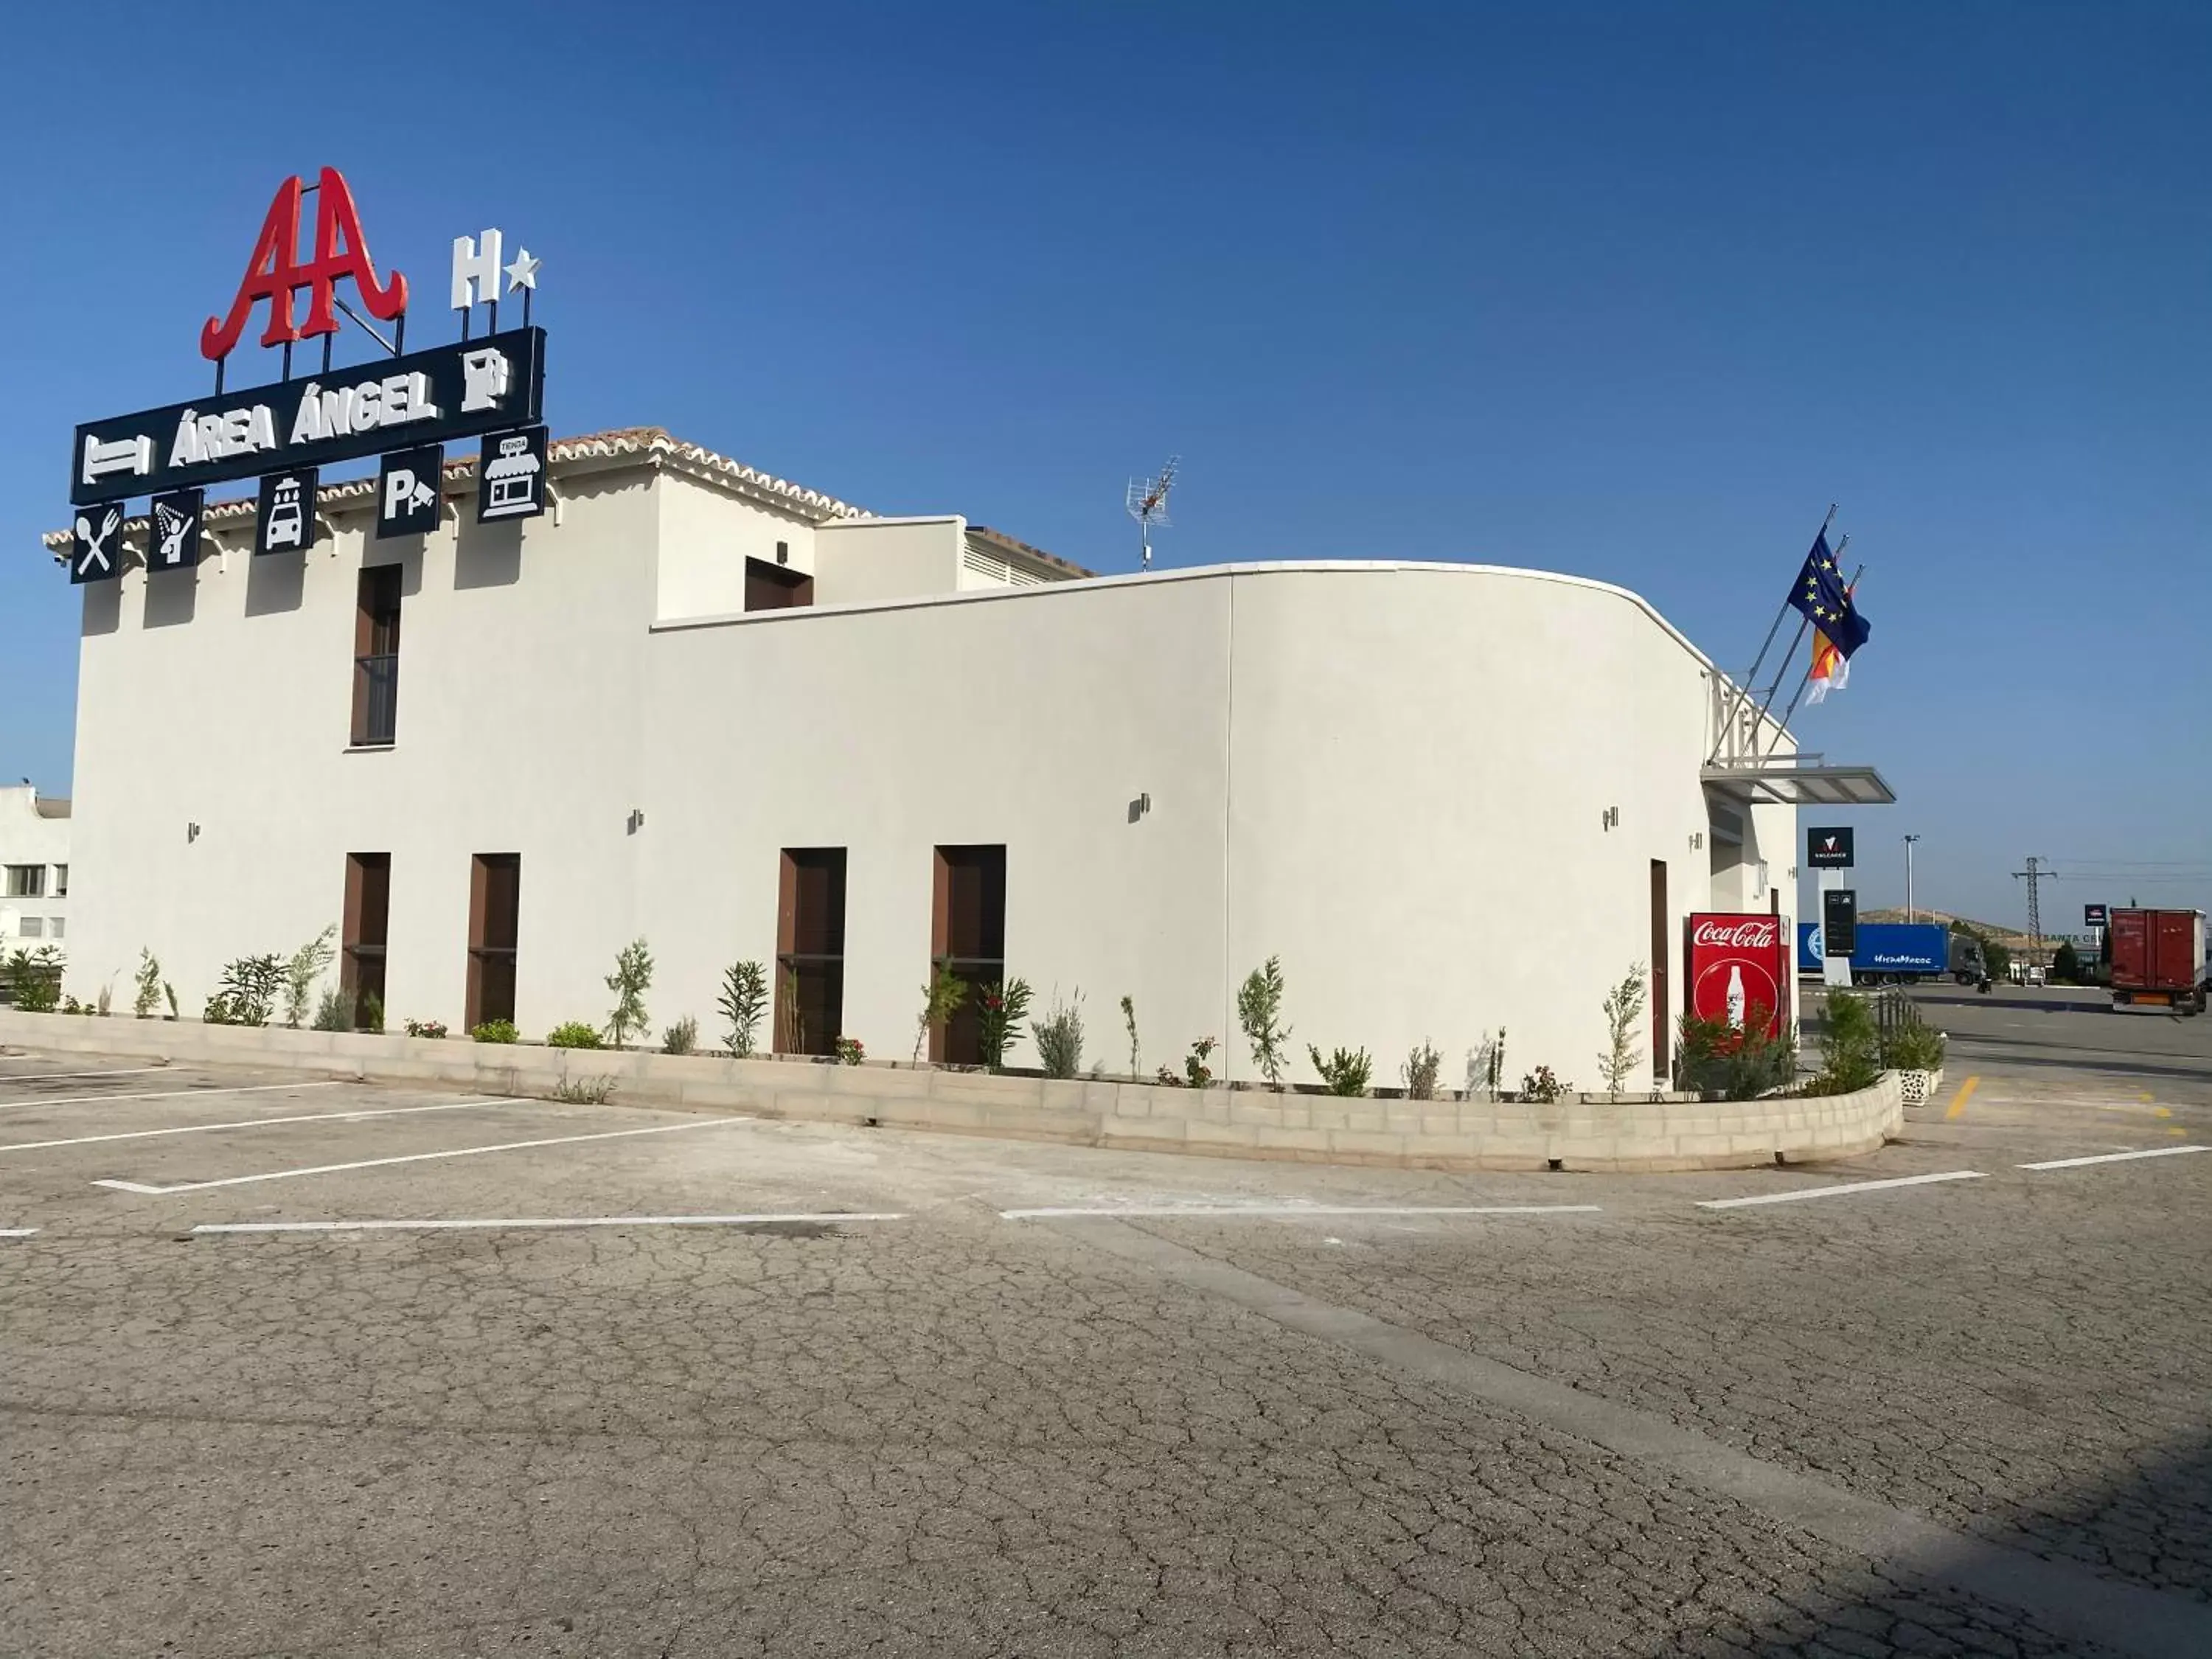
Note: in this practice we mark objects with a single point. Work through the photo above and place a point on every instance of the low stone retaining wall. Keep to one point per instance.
(1587, 1133)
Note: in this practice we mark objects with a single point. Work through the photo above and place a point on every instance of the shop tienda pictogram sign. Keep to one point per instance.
(280, 433)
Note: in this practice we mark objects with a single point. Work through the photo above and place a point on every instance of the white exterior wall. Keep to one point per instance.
(28, 838)
(865, 560)
(703, 537)
(1392, 776)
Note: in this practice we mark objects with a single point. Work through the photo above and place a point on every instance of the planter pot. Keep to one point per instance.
(1918, 1088)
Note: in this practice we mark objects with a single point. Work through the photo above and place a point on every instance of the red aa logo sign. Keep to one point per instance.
(275, 272)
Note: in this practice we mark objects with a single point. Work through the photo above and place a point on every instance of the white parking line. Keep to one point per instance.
(414, 1157)
(169, 1094)
(50, 1077)
(1216, 1211)
(541, 1221)
(16, 1232)
(2113, 1158)
(260, 1122)
(1838, 1190)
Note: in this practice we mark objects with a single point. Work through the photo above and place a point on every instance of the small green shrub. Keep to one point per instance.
(36, 976)
(1623, 1008)
(148, 986)
(169, 991)
(1714, 1060)
(250, 985)
(1005, 1005)
(1129, 1019)
(335, 1011)
(850, 1051)
(1419, 1071)
(1345, 1072)
(744, 1002)
(370, 1013)
(681, 1038)
(1196, 1073)
(1259, 1016)
(941, 998)
(217, 1012)
(1060, 1037)
(1542, 1086)
(425, 1028)
(585, 1091)
(631, 979)
(304, 968)
(497, 1031)
(574, 1034)
(1850, 1046)
(1913, 1045)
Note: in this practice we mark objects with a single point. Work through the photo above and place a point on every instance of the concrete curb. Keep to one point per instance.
(1582, 1133)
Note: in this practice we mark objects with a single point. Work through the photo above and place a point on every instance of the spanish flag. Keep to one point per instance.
(1831, 668)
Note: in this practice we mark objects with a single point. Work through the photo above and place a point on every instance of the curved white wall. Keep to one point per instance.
(1391, 775)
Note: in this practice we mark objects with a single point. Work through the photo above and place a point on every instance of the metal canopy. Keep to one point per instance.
(1799, 780)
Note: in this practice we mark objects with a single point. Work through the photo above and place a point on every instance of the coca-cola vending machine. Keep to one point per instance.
(1737, 968)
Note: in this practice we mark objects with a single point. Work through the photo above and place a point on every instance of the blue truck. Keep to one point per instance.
(1899, 953)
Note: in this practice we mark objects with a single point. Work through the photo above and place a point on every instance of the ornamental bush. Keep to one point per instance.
(575, 1034)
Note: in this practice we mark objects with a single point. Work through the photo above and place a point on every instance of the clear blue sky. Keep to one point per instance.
(1628, 290)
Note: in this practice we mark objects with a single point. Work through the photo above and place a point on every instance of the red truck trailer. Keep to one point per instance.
(2158, 958)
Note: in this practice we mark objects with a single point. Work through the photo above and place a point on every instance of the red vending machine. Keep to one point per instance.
(1738, 969)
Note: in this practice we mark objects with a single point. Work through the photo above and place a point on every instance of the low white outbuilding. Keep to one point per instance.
(741, 720)
(34, 869)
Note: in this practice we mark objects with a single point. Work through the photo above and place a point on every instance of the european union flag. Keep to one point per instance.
(1825, 603)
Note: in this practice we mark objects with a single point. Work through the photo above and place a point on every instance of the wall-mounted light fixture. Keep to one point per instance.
(1140, 807)
(636, 819)
(1610, 819)
(192, 834)
(1696, 839)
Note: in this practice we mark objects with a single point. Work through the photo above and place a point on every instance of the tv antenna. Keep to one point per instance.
(1147, 503)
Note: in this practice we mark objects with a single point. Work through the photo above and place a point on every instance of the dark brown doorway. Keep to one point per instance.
(1662, 1003)
(968, 934)
(366, 924)
(810, 951)
(1787, 984)
(495, 926)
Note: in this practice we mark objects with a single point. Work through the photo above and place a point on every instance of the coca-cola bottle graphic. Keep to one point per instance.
(1736, 996)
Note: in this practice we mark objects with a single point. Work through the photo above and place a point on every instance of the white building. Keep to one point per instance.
(743, 719)
(34, 870)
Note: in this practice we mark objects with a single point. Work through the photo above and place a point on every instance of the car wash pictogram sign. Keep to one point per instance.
(399, 405)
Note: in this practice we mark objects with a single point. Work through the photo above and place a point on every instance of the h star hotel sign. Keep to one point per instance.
(404, 406)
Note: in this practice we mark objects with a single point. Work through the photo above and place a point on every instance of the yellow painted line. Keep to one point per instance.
(1966, 1093)
(2144, 1096)
(2159, 1111)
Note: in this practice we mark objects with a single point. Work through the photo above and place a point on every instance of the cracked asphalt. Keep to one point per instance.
(1957, 1418)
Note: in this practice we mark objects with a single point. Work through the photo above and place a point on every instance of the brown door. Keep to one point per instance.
(967, 933)
(494, 927)
(810, 951)
(1662, 1003)
(367, 920)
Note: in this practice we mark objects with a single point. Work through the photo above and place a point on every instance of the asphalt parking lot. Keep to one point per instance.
(300, 1367)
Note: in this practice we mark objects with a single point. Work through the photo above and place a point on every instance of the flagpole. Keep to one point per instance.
(1747, 687)
(1806, 681)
